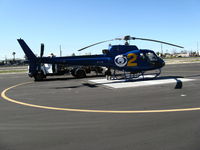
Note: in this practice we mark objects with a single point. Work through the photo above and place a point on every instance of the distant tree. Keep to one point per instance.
(73, 54)
(1, 62)
(13, 56)
(174, 51)
(89, 53)
(158, 53)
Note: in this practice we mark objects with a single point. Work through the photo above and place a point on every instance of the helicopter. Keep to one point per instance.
(130, 60)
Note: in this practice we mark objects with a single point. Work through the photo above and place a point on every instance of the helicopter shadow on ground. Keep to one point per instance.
(193, 76)
(73, 78)
(179, 83)
(69, 78)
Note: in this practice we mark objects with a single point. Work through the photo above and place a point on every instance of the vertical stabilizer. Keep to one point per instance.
(32, 59)
(29, 54)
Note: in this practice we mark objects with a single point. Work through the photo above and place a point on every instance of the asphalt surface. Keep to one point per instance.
(13, 68)
(29, 128)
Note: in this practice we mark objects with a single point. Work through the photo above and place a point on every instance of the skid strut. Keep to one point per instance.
(117, 75)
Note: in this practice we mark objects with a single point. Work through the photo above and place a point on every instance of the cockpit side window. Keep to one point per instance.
(151, 56)
(142, 56)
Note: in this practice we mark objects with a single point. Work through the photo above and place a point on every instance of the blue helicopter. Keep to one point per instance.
(125, 58)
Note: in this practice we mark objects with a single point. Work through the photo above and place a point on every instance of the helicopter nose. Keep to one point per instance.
(162, 63)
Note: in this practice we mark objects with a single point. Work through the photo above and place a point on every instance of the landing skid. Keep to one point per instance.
(119, 75)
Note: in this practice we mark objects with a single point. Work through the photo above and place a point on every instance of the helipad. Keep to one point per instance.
(138, 83)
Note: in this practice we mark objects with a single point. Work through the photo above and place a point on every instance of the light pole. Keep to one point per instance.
(161, 49)
(60, 51)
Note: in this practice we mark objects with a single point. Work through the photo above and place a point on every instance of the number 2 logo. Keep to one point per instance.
(133, 58)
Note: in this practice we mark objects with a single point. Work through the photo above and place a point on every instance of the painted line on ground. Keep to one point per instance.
(4, 96)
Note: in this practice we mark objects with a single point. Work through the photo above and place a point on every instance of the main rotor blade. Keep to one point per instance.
(134, 38)
(95, 44)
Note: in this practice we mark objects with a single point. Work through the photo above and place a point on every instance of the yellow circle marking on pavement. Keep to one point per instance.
(3, 95)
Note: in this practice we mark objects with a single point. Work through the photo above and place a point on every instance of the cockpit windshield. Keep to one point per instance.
(152, 56)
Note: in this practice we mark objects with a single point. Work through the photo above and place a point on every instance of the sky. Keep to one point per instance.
(74, 24)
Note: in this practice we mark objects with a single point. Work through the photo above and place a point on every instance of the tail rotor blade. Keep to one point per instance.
(42, 50)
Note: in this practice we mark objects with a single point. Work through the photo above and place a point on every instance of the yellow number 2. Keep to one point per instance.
(133, 58)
